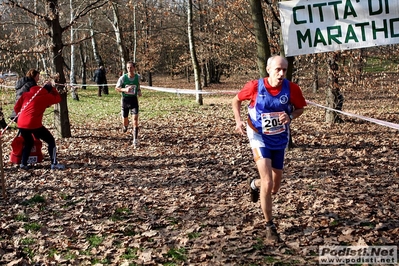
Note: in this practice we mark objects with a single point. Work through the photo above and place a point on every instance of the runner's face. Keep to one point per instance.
(130, 68)
(277, 71)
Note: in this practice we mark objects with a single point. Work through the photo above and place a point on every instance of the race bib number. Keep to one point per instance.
(271, 124)
(130, 89)
(32, 159)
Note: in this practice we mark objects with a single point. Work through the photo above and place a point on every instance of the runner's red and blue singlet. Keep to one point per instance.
(264, 115)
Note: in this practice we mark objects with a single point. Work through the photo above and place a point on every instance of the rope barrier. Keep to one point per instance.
(170, 90)
(373, 120)
(195, 92)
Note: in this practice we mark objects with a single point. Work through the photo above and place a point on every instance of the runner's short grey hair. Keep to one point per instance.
(271, 59)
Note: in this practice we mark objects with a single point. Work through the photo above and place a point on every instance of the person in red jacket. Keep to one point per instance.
(30, 108)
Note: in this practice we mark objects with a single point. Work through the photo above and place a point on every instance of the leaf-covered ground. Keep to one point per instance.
(181, 197)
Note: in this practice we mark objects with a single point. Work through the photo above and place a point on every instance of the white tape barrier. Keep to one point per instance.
(183, 91)
(376, 121)
(7, 87)
(170, 90)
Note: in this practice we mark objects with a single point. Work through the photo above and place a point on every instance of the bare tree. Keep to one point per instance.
(334, 97)
(50, 15)
(83, 60)
(197, 74)
(119, 37)
(96, 53)
(72, 77)
(262, 43)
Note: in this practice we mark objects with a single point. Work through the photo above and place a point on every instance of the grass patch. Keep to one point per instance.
(334, 223)
(367, 224)
(120, 214)
(35, 199)
(95, 241)
(152, 104)
(28, 252)
(69, 255)
(27, 241)
(130, 254)
(259, 244)
(172, 220)
(21, 218)
(65, 196)
(194, 235)
(270, 259)
(377, 64)
(32, 226)
(177, 254)
(129, 231)
(91, 108)
(100, 261)
(52, 253)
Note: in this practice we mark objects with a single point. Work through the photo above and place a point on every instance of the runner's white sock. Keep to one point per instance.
(253, 186)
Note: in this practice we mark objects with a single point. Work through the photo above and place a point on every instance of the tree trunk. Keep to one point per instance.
(42, 57)
(83, 59)
(72, 78)
(357, 62)
(119, 39)
(61, 115)
(334, 97)
(96, 54)
(194, 59)
(315, 84)
(134, 33)
(262, 42)
(149, 74)
(289, 74)
(55, 31)
(204, 76)
(187, 72)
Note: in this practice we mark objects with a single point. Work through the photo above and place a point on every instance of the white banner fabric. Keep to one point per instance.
(316, 26)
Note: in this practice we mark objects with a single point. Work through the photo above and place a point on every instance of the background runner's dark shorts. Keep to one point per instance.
(129, 103)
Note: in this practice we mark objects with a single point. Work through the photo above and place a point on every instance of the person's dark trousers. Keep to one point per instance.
(105, 90)
(105, 87)
(3, 123)
(39, 133)
(100, 89)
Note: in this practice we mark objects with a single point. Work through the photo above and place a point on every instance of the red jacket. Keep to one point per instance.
(31, 117)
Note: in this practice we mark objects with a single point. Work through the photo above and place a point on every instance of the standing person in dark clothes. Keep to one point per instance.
(101, 80)
(24, 84)
(30, 107)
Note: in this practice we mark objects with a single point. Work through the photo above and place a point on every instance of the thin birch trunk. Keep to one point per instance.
(194, 59)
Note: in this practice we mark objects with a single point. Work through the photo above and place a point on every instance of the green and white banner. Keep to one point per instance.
(316, 26)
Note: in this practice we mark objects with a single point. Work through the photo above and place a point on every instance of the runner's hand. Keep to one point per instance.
(240, 128)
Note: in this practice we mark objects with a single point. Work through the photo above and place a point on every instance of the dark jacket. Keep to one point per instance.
(99, 76)
(22, 85)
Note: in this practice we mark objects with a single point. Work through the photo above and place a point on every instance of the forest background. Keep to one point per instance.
(182, 197)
